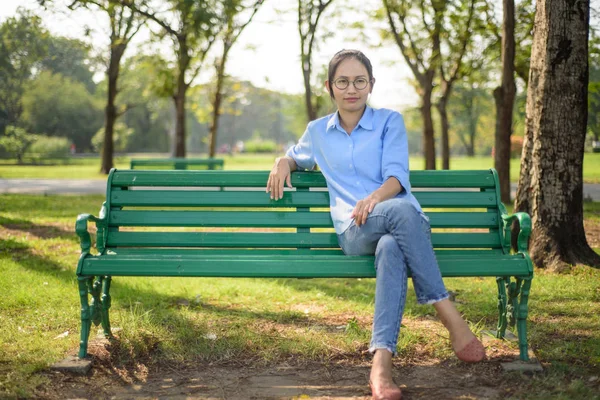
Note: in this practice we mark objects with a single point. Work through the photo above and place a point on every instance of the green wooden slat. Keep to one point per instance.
(184, 252)
(320, 219)
(466, 179)
(450, 179)
(463, 219)
(125, 252)
(272, 239)
(222, 239)
(456, 199)
(314, 219)
(190, 198)
(208, 178)
(286, 266)
(465, 240)
(187, 198)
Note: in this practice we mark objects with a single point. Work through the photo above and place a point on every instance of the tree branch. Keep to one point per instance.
(463, 48)
(127, 108)
(415, 69)
(131, 4)
(243, 26)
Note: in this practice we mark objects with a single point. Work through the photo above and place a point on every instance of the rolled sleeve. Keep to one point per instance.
(302, 152)
(394, 160)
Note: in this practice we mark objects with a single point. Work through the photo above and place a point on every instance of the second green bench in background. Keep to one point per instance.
(177, 163)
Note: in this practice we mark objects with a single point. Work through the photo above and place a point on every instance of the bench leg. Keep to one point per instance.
(501, 329)
(522, 314)
(514, 310)
(96, 303)
(86, 320)
(106, 306)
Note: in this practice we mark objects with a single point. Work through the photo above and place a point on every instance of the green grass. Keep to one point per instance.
(193, 320)
(88, 168)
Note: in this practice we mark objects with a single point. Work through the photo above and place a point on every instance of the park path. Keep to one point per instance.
(98, 186)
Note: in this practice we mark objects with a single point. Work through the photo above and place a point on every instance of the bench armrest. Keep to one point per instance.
(81, 228)
(524, 220)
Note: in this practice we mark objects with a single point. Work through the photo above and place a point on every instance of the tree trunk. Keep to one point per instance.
(557, 117)
(110, 111)
(217, 101)
(311, 111)
(214, 126)
(504, 97)
(179, 139)
(428, 132)
(473, 120)
(179, 98)
(467, 137)
(441, 106)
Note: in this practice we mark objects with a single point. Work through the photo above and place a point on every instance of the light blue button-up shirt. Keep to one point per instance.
(356, 165)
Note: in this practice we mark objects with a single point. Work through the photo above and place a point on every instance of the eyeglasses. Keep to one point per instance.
(343, 83)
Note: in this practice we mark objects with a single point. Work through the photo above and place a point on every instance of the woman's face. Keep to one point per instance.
(350, 98)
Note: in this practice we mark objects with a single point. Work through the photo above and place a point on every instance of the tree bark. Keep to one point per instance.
(179, 139)
(428, 132)
(110, 111)
(443, 111)
(504, 96)
(467, 137)
(552, 191)
(474, 114)
(179, 97)
(214, 126)
(311, 111)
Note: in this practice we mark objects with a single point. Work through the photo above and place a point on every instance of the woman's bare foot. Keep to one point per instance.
(381, 381)
(464, 343)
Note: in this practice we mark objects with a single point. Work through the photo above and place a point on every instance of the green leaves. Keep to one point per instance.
(57, 106)
(15, 142)
(23, 44)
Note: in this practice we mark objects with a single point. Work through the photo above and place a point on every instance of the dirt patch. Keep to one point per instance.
(419, 378)
(282, 381)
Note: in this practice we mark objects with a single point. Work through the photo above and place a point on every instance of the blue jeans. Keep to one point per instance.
(400, 238)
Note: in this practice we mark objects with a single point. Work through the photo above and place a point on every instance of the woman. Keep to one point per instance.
(363, 154)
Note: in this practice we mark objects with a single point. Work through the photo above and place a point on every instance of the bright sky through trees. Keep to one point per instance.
(268, 52)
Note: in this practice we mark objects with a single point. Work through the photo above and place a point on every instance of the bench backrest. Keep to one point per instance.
(177, 163)
(230, 209)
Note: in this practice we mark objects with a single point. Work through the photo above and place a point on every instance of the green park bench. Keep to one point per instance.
(177, 163)
(471, 234)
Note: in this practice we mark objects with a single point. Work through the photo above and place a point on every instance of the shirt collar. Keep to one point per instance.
(366, 121)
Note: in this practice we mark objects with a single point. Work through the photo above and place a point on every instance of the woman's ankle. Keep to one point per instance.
(381, 367)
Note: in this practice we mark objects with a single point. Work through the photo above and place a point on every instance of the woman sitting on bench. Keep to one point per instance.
(363, 154)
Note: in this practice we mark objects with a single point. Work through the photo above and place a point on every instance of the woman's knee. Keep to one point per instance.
(404, 207)
(388, 249)
(395, 208)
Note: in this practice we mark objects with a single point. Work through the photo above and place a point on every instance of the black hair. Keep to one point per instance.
(344, 55)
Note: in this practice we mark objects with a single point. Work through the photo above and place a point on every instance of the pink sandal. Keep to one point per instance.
(473, 352)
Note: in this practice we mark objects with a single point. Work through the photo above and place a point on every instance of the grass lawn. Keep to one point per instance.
(167, 321)
(88, 167)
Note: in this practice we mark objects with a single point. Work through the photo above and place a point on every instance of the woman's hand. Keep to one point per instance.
(280, 174)
(363, 208)
(390, 188)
